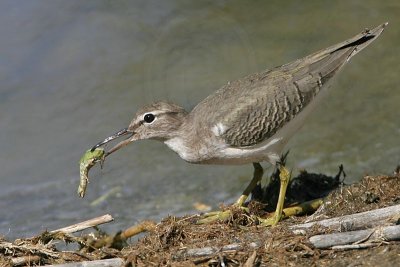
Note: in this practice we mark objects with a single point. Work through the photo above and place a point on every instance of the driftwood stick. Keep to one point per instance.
(119, 240)
(378, 234)
(29, 248)
(144, 226)
(115, 262)
(353, 221)
(84, 225)
(250, 261)
(355, 246)
(207, 251)
(336, 239)
(25, 260)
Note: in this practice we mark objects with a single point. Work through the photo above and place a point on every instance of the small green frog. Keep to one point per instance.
(88, 160)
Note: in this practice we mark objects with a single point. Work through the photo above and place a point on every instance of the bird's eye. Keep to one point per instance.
(149, 117)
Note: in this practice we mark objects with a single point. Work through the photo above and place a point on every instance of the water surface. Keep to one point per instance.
(73, 72)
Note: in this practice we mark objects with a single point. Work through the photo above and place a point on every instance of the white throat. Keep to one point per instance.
(178, 145)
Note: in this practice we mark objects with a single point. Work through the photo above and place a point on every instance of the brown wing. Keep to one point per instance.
(256, 107)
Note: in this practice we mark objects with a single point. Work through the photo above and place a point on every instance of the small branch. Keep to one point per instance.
(337, 240)
(29, 249)
(354, 221)
(85, 225)
(250, 261)
(207, 251)
(355, 246)
(115, 262)
(118, 240)
(25, 260)
(329, 240)
(144, 226)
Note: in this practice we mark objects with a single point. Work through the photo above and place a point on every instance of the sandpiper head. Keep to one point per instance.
(159, 121)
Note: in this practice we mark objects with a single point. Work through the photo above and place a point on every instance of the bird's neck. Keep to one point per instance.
(184, 148)
(181, 141)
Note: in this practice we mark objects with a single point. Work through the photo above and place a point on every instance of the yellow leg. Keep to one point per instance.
(224, 215)
(284, 177)
(257, 175)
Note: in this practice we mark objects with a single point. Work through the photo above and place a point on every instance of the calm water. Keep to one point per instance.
(74, 72)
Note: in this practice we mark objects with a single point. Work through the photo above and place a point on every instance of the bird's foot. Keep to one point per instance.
(307, 207)
(238, 208)
(222, 215)
(270, 221)
(234, 210)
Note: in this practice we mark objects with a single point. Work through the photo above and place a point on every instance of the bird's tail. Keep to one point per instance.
(355, 44)
(325, 63)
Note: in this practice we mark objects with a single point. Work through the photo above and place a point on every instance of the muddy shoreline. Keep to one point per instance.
(238, 241)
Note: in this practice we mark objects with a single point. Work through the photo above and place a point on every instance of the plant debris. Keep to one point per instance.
(179, 241)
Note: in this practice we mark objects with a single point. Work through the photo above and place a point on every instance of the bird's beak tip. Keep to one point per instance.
(118, 134)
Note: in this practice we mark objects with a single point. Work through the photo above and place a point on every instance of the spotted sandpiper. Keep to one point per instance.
(249, 120)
